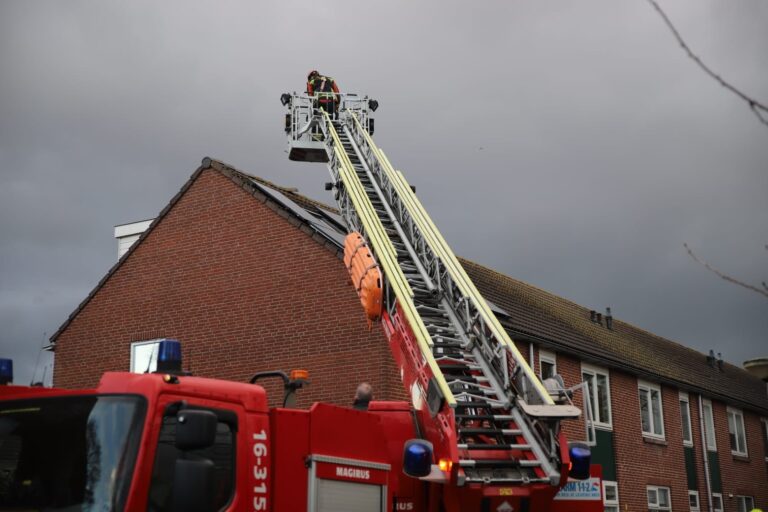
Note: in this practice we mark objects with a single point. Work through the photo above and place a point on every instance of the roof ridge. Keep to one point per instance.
(292, 192)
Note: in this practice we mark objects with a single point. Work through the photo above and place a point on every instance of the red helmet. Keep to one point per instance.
(312, 73)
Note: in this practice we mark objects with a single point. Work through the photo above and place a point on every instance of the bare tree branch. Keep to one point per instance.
(759, 109)
(724, 276)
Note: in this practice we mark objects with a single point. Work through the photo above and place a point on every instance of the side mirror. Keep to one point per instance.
(417, 458)
(193, 486)
(195, 429)
(285, 98)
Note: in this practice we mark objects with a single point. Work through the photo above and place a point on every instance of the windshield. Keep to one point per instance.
(68, 453)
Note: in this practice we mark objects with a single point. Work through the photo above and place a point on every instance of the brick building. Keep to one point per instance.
(247, 275)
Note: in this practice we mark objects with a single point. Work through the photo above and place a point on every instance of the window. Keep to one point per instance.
(658, 498)
(599, 395)
(547, 364)
(717, 502)
(685, 419)
(736, 432)
(651, 413)
(610, 496)
(68, 452)
(745, 503)
(144, 356)
(221, 454)
(693, 501)
(709, 426)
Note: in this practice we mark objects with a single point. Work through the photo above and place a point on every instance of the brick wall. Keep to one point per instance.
(744, 476)
(244, 291)
(641, 461)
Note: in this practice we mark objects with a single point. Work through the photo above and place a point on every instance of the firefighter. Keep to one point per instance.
(363, 396)
(325, 90)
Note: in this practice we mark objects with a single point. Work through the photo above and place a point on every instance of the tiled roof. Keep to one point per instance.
(566, 326)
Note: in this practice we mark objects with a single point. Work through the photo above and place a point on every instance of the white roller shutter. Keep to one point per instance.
(338, 496)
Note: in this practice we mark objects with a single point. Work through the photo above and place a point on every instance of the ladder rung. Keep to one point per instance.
(491, 431)
(498, 463)
(485, 446)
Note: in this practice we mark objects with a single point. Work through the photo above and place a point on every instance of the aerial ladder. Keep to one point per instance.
(493, 424)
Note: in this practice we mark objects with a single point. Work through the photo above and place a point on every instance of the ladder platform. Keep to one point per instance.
(549, 411)
(307, 151)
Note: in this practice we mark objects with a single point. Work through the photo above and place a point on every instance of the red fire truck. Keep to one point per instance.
(166, 441)
(481, 432)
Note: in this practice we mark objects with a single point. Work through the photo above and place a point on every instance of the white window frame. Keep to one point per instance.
(684, 399)
(746, 508)
(737, 414)
(594, 371)
(152, 366)
(611, 505)
(545, 356)
(697, 508)
(647, 388)
(709, 421)
(717, 498)
(654, 489)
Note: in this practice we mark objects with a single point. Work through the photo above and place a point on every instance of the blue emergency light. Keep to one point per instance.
(6, 371)
(417, 458)
(169, 356)
(581, 457)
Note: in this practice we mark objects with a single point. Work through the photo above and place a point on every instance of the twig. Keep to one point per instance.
(755, 106)
(724, 276)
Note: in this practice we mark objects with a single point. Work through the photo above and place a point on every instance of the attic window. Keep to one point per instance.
(144, 356)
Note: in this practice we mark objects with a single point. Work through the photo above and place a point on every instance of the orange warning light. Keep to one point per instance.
(445, 464)
(299, 374)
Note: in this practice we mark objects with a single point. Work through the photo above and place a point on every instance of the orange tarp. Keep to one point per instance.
(365, 273)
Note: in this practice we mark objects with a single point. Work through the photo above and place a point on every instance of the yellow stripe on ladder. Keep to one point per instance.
(439, 246)
(387, 256)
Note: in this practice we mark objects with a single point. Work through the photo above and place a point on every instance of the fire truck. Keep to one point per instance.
(481, 432)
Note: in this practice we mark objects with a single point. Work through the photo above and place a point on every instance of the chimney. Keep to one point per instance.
(608, 318)
(593, 316)
(599, 318)
(720, 361)
(711, 358)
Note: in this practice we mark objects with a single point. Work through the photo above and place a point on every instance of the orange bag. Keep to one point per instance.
(365, 273)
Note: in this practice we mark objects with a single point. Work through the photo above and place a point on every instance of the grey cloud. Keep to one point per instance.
(604, 148)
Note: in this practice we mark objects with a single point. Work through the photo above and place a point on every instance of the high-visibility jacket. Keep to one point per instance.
(325, 87)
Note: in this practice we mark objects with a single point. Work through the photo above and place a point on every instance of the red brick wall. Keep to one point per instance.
(641, 462)
(244, 291)
(740, 475)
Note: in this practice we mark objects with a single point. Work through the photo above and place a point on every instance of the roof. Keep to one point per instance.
(527, 312)
(564, 325)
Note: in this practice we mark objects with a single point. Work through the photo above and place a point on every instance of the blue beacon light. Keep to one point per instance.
(417, 458)
(581, 457)
(6, 371)
(169, 356)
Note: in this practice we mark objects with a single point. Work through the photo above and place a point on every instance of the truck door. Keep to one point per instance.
(222, 454)
(346, 485)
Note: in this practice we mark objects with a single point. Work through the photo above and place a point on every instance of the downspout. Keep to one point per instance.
(706, 453)
(530, 355)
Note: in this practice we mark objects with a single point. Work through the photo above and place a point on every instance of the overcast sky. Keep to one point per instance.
(571, 145)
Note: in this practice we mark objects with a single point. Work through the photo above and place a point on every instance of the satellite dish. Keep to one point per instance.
(758, 367)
